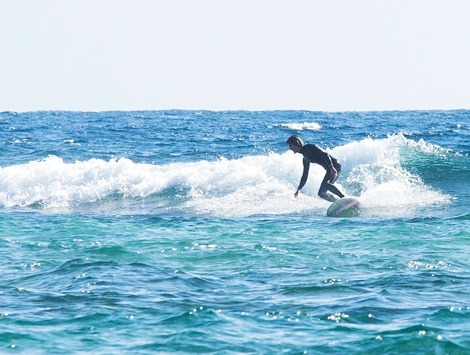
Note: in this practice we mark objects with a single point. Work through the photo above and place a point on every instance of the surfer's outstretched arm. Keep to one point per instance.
(304, 177)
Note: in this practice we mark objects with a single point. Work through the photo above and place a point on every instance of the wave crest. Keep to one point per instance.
(372, 169)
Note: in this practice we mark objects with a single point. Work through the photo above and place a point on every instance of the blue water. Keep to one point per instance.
(177, 231)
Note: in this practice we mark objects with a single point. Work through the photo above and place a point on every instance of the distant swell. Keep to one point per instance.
(464, 217)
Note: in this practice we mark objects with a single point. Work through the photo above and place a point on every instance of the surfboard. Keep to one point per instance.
(344, 207)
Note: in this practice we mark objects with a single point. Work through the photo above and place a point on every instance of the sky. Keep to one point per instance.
(331, 55)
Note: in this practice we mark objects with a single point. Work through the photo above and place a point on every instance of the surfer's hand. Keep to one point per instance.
(296, 194)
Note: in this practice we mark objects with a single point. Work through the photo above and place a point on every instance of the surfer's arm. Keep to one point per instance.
(304, 178)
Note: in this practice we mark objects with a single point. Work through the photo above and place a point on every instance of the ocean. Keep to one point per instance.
(178, 232)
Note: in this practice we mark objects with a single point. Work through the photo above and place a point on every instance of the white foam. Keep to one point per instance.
(53, 183)
(376, 171)
(309, 126)
(227, 188)
(254, 185)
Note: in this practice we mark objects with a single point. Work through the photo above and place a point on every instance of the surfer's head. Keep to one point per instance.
(295, 143)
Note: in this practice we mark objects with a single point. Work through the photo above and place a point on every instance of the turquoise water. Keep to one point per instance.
(177, 231)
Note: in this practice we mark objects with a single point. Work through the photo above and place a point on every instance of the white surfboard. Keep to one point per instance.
(344, 207)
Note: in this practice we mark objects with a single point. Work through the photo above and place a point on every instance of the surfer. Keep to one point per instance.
(313, 154)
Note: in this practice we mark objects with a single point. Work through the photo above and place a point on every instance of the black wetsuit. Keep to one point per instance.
(313, 154)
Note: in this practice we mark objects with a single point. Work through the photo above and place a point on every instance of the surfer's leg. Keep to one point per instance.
(326, 196)
(335, 190)
(327, 186)
(332, 178)
(324, 187)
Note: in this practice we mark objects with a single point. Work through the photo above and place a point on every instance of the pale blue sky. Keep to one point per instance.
(329, 55)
